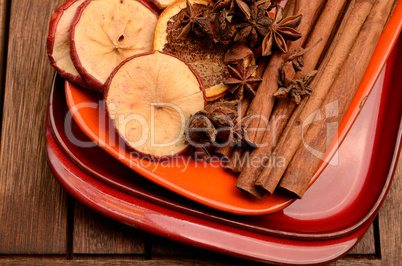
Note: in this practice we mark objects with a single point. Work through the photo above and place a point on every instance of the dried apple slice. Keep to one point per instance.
(58, 42)
(162, 4)
(205, 56)
(150, 98)
(106, 32)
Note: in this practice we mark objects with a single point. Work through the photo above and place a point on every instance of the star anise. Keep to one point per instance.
(222, 120)
(224, 4)
(297, 58)
(280, 31)
(288, 85)
(190, 20)
(254, 28)
(273, 3)
(200, 129)
(223, 116)
(241, 79)
(296, 88)
(267, 3)
(232, 6)
(236, 53)
(220, 31)
(298, 63)
(215, 123)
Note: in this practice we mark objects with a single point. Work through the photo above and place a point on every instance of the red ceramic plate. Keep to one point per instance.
(342, 200)
(190, 229)
(335, 213)
(207, 183)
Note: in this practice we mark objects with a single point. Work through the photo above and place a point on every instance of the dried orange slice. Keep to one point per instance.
(202, 54)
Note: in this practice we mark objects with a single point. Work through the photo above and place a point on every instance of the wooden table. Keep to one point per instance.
(41, 224)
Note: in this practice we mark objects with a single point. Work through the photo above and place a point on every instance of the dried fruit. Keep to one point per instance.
(106, 32)
(162, 4)
(216, 92)
(150, 98)
(202, 54)
(58, 42)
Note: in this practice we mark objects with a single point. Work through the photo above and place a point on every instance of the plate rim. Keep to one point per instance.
(135, 217)
(384, 46)
(294, 235)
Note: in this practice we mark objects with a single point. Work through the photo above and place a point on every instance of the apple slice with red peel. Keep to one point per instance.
(58, 42)
(150, 98)
(162, 4)
(106, 32)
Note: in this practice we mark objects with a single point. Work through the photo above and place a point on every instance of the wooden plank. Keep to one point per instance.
(390, 218)
(96, 234)
(3, 39)
(105, 261)
(366, 245)
(358, 262)
(32, 204)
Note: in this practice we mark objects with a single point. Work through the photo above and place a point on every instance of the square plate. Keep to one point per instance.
(207, 183)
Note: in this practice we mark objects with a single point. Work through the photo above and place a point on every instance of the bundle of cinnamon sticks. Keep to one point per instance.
(339, 38)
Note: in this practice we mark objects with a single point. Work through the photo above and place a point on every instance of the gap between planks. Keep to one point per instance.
(4, 29)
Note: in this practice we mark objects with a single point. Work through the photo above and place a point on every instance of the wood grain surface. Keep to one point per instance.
(390, 219)
(41, 225)
(32, 204)
(4, 18)
(95, 234)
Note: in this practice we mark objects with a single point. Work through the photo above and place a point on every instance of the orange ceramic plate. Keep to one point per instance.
(208, 183)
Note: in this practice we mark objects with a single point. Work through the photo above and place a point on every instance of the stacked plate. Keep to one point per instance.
(176, 202)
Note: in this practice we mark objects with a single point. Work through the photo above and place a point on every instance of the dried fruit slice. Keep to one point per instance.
(106, 32)
(206, 57)
(150, 98)
(215, 92)
(58, 42)
(162, 4)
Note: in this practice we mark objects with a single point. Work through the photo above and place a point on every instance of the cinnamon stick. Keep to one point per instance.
(284, 107)
(262, 104)
(305, 162)
(270, 176)
(234, 163)
(226, 151)
(263, 101)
